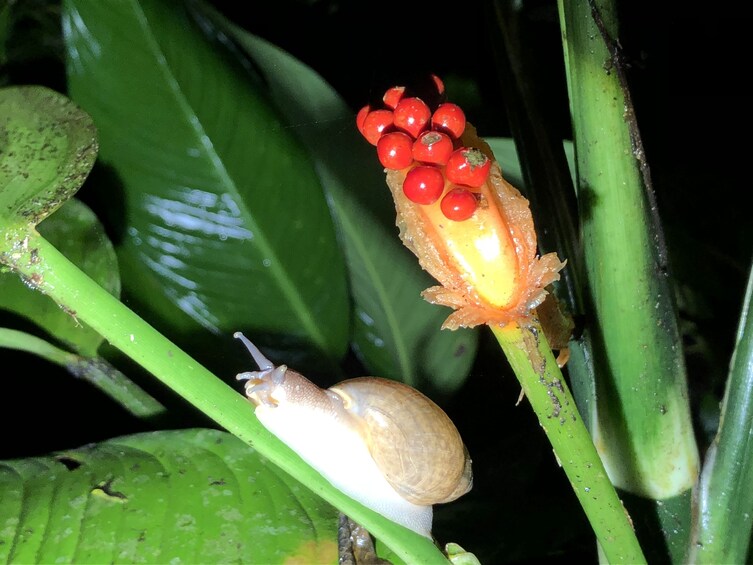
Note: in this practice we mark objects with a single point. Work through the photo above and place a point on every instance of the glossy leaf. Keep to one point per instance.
(223, 216)
(506, 154)
(459, 556)
(47, 148)
(77, 233)
(396, 333)
(724, 521)
(192, 496)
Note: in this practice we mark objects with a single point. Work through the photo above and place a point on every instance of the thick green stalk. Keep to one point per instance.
(722, 532)
(643, 429)
(545, 388)
(49, 271)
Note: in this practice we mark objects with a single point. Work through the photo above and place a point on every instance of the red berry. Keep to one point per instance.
(432, 147)
(375, 123)
(412, 115)
(361, 116)
(459, 204)
(395, 150)
(438, 83)
(449, 118)
(423, 184)
(469, 167)
(393, 96)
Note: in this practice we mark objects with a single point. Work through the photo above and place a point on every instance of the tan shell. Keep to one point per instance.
(414, 443)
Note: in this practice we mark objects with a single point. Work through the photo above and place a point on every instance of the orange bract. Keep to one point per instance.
(488, 265)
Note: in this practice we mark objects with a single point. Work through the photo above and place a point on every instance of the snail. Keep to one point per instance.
(381, 442)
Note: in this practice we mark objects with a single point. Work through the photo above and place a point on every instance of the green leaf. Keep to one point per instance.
(459, 556)
(397, 334)
(722, 526)
(507, 155)
(192, 496)
(222, 212)
(95, 371)
(47, 148)
(77, 233)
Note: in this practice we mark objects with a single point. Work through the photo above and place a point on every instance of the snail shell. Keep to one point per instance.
(379, 441)
(413, 442)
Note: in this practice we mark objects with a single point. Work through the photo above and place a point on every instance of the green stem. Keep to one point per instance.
(532, 360)
(46, 268)
(21, 341)
(95, 371)
(722, 528)
(643, 427)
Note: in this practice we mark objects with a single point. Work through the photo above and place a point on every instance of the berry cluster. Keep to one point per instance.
(408, 134)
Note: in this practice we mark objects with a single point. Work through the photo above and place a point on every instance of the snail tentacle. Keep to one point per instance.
(261, 384)
(263, 363)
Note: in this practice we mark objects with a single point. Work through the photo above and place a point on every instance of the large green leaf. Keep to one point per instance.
(77, 233)
(222, 213)
(47, 147)
(397, 334)
(190, 496)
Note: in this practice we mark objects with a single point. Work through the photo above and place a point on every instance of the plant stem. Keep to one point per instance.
(722, 527)
(643, 427)
(49, 271)
(532, 360)
(95, 371)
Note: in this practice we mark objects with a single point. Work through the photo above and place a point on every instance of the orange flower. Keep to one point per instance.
(488, 265)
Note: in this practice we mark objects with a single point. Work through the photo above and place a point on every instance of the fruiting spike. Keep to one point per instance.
(470, 229)
(487, 265)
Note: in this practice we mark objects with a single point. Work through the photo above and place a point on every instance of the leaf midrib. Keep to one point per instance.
(288, 289)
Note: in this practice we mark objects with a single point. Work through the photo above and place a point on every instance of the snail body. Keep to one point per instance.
(379, 441)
